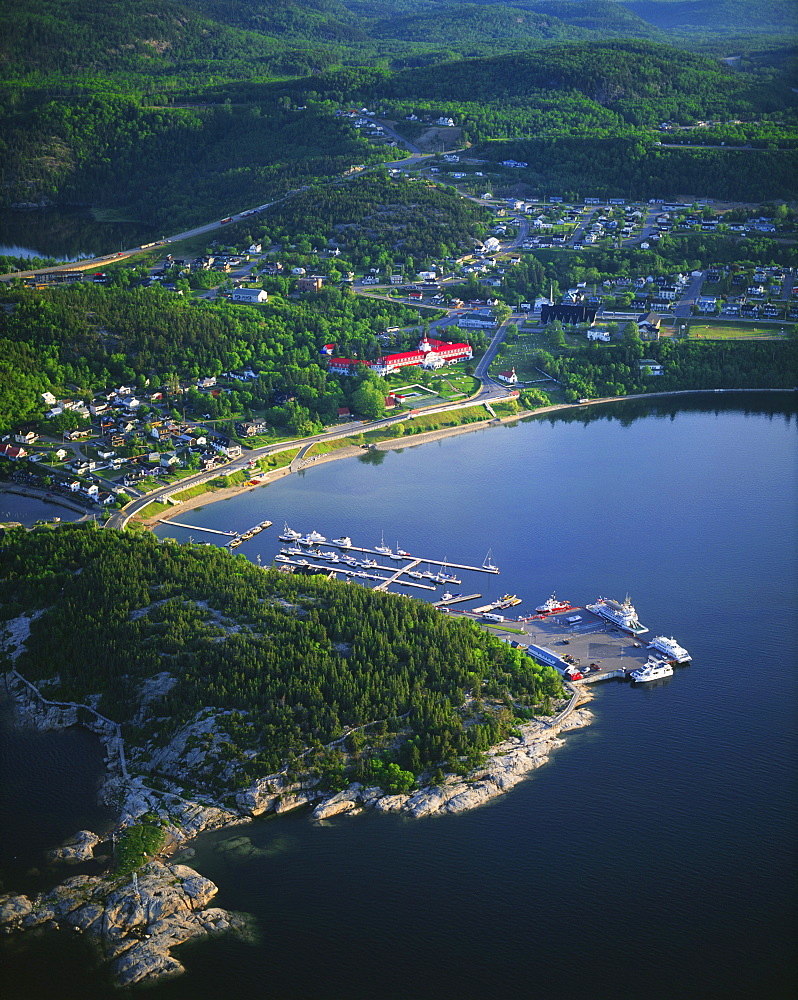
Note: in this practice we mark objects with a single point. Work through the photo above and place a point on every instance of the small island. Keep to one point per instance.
(223, 691)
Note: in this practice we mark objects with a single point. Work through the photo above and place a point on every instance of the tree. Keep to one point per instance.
(369, 400)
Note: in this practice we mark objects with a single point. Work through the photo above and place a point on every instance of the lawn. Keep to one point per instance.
(732, 331)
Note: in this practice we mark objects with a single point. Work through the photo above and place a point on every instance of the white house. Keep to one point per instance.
(49, 398)
(509, 377)
(251, 295)
(597, 333)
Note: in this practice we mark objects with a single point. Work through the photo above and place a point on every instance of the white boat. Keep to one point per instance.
(344, 542)
(367, 563)
(652, 670)
(552, 605)
(281, 558)
(329, 555)
(487, 562)
(350, 560)
(288, 534)
(414, 573)
(671, 649)
(383, 548)
(314, 537)
(621, 614)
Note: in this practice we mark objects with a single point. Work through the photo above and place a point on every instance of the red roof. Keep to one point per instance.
(406, 357)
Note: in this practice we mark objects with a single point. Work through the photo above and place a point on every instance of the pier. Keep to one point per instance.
(196, 527)
(423, 559)
(384, 584)
(456, 600)
(382, 581)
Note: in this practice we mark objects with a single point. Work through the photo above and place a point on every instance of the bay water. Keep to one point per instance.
(655, 855)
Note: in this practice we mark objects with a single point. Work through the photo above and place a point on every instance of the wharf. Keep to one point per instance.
(196, 527)
(593, 643)
(460, 599)
(433, 562)
(382, 581)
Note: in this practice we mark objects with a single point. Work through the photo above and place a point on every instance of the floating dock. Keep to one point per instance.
(460, 599)
(196, 527)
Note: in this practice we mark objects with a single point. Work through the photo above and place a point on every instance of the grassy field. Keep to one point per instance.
(707, 330)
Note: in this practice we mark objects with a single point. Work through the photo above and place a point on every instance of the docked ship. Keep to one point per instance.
(652, 670)
(386, 550)
(621, 614)
(552, 606)
(288, 534)
(345, 542)
(671, 648)
(312, 538)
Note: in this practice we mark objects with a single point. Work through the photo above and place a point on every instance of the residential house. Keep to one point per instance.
(599, 333)
(249, 295)
(26, 437)
(653, 366)
(310, 283)
(509, 377)
(12, 451)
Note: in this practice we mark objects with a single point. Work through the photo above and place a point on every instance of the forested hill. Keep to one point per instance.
(286, 662)
(604, 72)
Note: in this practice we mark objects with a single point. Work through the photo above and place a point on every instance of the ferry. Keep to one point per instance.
(552, 606)
(652, 670)
(288, 534)
(621, 614)
(671, 649)
(345, 542)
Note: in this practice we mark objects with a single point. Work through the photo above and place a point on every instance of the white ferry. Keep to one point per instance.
(671, 649)
(652, 670)
(621, 614)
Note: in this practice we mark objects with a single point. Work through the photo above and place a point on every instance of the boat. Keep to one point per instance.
(552, 606)
(293, 550)
(329, 555)
(314, 537)
(382, 547)
(414, 573)
(653, 669)
(344, 542)
(288, 534)
(400, 553)
(350, 560)
(256, 529)
(234, 543)
(488, 564)
(427, 573)
(366, 563)
(621, 614)
(266, 524)
(281, 558)
(507, 601)
(671, 648)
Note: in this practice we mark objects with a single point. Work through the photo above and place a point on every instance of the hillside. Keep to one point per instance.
(285, 663)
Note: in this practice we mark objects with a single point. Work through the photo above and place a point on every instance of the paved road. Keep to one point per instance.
(683, 308)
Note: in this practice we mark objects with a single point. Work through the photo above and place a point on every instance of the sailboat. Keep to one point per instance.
(382, 547)
(487, 562)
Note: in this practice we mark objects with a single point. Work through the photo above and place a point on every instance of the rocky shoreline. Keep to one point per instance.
(136, 921)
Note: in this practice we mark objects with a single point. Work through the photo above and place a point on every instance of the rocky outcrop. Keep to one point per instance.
(80, 848)
(506, 765)
(277, 794)
(135, 924)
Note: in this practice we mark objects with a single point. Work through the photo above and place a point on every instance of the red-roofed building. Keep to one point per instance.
(12, 451)
(430, 354)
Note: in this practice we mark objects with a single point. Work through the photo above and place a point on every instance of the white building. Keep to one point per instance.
(251, 295)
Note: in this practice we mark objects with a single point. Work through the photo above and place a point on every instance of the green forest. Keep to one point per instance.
(290, 663)
(168, 114)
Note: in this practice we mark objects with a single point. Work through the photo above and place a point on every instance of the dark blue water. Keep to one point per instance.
(655, 856)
